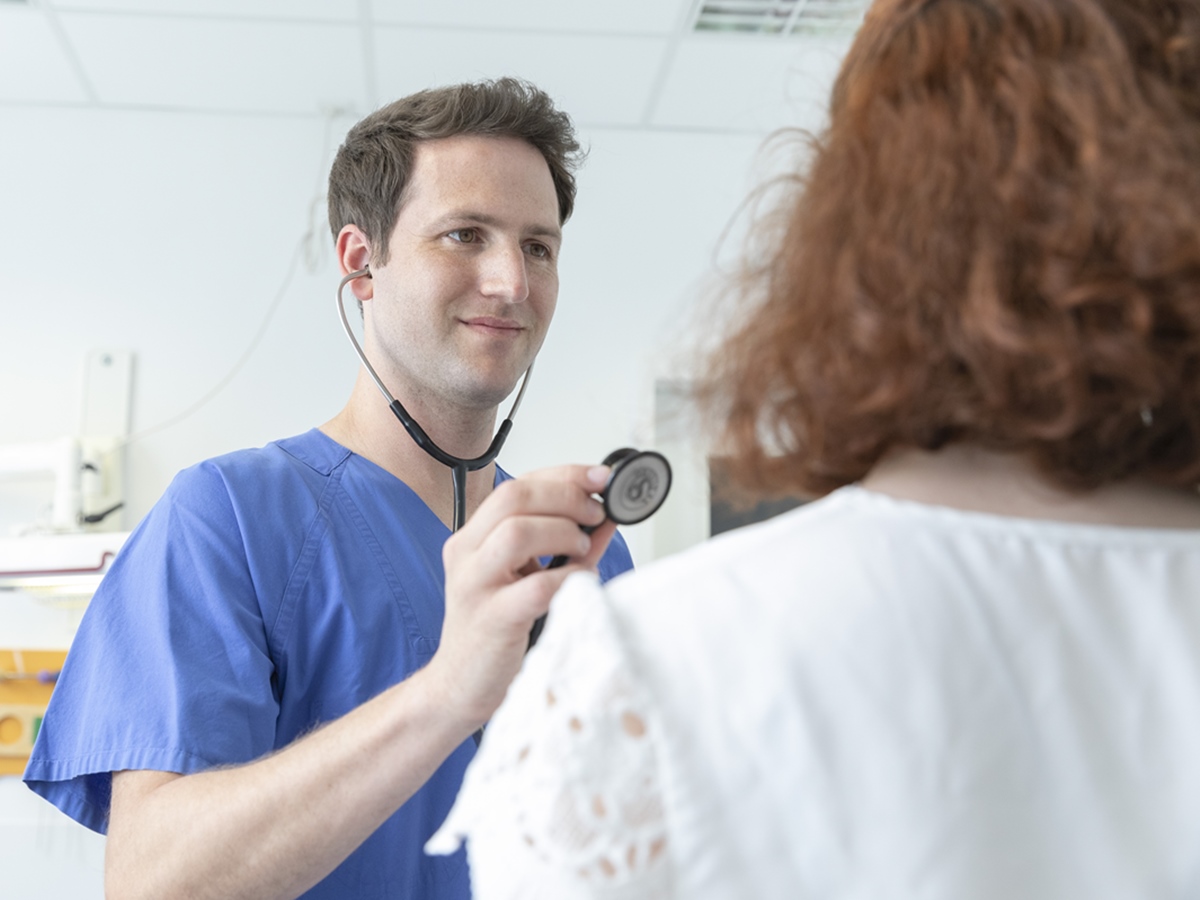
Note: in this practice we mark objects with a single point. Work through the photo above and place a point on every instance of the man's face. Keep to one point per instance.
(462, 306)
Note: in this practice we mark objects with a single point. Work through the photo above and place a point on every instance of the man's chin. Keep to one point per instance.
(491, 393)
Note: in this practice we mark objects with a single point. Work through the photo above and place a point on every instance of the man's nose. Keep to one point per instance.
(504, 274)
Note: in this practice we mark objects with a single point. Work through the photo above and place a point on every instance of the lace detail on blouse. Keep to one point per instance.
(564, 797)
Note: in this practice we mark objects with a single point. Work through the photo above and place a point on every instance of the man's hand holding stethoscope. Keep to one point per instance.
(497, 588)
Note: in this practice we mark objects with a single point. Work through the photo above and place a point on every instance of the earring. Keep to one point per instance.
(1147, 414)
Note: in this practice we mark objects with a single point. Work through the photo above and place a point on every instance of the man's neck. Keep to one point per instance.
(368, 427)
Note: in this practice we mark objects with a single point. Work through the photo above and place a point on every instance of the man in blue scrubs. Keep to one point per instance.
(275, 690)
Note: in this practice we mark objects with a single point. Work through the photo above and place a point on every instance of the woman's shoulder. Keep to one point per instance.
(817, 531)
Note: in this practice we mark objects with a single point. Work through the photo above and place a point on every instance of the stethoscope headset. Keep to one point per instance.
(636, 487)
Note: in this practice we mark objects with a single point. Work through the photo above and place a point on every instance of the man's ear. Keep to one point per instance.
(354, 253)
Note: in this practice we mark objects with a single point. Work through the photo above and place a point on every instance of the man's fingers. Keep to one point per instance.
(593, 478)
(499, 527)
(561, 491)
(600, 540)
(495, 583)
(516, 546)
(515, 542)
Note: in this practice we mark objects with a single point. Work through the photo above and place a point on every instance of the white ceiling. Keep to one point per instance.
(613, 63)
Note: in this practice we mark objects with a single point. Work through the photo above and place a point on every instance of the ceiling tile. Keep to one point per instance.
(33, 65)
(223, 65)
(652, 17)
(749, 83)
(598, 80)
(320, 10)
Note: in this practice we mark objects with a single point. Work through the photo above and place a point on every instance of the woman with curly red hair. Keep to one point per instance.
(972, 667)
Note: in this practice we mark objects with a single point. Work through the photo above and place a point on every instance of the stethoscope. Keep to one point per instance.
(637, 484)
(636, 487)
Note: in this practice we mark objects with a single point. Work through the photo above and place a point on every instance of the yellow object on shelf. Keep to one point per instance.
(26, 681)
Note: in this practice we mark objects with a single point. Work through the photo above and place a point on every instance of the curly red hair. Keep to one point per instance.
(997, 242)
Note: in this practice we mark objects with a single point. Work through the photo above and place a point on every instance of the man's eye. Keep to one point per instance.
(541, 251)
(464, 235)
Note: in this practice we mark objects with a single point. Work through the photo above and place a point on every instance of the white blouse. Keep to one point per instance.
(863, 698)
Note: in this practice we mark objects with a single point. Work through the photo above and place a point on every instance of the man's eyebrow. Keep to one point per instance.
(467, 215)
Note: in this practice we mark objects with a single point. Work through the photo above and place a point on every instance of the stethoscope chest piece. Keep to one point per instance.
(637, 486)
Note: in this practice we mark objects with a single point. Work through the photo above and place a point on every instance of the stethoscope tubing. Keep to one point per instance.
(459, 467)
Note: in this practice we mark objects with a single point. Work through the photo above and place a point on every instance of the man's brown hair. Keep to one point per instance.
(372, 168)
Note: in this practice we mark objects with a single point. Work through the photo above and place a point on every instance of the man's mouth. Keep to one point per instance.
(494, 325)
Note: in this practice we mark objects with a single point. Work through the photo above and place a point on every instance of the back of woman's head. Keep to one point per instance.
(997, 242)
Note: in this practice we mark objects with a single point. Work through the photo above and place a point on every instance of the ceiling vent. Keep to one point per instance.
(779, 17)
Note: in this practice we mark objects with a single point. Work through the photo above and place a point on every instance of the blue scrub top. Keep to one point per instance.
(267, 592)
